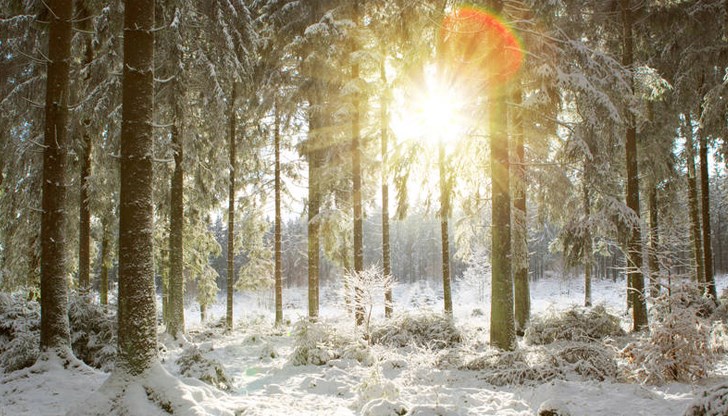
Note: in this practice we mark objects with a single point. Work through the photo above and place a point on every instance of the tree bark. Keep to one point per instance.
(84, 226)
(384, 131)
(356, 178)
(705, 213)
(176, 323)
(313, 220)
(634, 246)
(502, 324)
(588, 261)
(654, 238)
(231, 211)
(693, 202)
(137, 312)
(444, 232)
(105, 252)
(278, 221)
(54, 328)
(521, 290)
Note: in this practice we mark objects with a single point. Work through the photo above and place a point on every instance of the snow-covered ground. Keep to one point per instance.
(257, 360)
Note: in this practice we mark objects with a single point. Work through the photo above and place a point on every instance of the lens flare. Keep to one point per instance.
(478, 49)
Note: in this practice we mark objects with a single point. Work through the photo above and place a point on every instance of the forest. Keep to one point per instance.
(364, 207)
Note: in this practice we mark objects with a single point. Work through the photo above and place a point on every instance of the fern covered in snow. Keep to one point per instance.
(575, 324)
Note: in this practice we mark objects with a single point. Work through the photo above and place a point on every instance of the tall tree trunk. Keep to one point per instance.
(634, 248)
(84, 232)
(105, 262)
(521, 290)
(356, 178)
(54, 328)
(137, 312)
(231, 211)
(444, 232)
(384, 131)
(314, 201)
(654, 238)
(588, 261)
(705, 213)
(693, 202)
(176, 324)
(502, 323)
(278, 221)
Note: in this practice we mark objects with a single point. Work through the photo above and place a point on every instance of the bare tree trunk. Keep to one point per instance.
(54, 329)
(176, 323)
(521, 290)
(384, 131)
(84, 226)
(231, 211)
(313, 152)
(502, 323)
(137, 312)
(654, 238)
(634, 248)
(278, 221)
(356, 179)
(693, 202)
(705, 211)
(588, 261)
(105, 252)
(444, 232)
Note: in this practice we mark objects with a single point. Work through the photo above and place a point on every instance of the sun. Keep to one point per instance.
(432, 114)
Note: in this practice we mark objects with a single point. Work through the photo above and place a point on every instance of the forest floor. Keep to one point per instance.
(263, 380)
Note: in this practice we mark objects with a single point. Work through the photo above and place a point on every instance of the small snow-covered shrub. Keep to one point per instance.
(678, 347)
(719, 337)
(712, 402)
(590, 360)
(432, 330)
(192, 363)
(512, 368)
(317, 343)
(19, 331)
(361, 290)
(575, 324)
(93, 332)
(375, 387)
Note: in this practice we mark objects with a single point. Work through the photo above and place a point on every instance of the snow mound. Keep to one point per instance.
(553, 407)
(192, 363)
(317, 343)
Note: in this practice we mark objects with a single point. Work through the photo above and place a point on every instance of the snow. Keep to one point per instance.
(264, 381)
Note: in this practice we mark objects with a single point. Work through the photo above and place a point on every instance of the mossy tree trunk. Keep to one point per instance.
(444, 224)
(278, 273)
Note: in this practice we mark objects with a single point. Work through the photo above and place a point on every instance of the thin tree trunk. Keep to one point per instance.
(356, 179)
(176, 324)
(521, 290)
(84, 232)
(444, 233)
(693, 202)
(588, 261)
(705, 213)
(105, 252)
(502, 323)
(313, 221)
(54, 328)
(231, 212)
(384, 131)
(654, 238)
(278, 221)
(137, 313)
(634, 247)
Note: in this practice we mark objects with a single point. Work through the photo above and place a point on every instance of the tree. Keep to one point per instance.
(635, 278)
(54, 327)
(232, 151)
(137, 312)
(521, 291)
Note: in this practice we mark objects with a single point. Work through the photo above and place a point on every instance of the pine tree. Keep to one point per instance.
(54, 327)
(137, 312)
